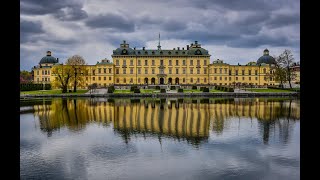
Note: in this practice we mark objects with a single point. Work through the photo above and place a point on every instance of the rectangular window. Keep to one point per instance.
(45, 79)
(242, 72)
(45, 72)
(198, 62)
(215, 70)
(145, 71)
(198, 71)
(105, 70)
(138, 80)
(86, 78)
(48, 79)
(170, 63)
(117, 62)
(220, 78)
(243, 78)
(161, 62)
(117, 71)
(105, 78)
(205, 62)
(152, 62)
(256, 78)
(184, 62)
(205, 80)
(42, 79)
(220, 70)
(93, 78)
(109, 78)
(184, 70)
(230, 72)
(191, 70)
(236, 72)
(38, 79)
(183, 80)
(225, 78)
(256, 72)
(236, 78)
(37, 72)
(170, 70)
(131, 70)
(225, 70)
(249, 78)
(191, 62)
(110, 70)
(177, 71)
(131, 62)
(152, 70)
(146, 62)
(177, 62)
(139, 62)
(205, 70)
(124, 62)
(229, 78)
(139, 70)
(48, 72)
(124, 71)
(99, 70)
(249, 72)
(99, 78)
(215, 78)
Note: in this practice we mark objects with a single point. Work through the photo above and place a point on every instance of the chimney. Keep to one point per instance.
(48, 53)
(178, 48)
(187, 47)
(143, 48)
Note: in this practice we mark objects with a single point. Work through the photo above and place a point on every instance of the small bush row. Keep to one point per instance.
(34, 87)
(223, 88)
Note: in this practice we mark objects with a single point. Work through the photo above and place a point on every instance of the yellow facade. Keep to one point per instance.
(178, 66)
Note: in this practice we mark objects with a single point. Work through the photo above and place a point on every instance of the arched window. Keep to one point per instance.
(264, 70)
(169, 52)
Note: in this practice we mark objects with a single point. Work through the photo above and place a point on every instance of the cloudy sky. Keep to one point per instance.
(233, 30)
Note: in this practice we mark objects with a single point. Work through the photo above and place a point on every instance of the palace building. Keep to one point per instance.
(190, 65)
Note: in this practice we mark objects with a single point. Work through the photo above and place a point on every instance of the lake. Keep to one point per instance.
(214, 138)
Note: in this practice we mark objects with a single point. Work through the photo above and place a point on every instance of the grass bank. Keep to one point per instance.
(55, 91)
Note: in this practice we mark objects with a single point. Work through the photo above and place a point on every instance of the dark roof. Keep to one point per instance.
(48, 59)
(124, 49)
(104, 61)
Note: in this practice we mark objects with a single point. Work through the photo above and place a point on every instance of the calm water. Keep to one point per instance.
(160, 138)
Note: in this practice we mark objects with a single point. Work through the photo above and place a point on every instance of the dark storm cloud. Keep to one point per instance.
(233, 4)
(283, 20)
(255, 41)
(174, 25)
(111, 21)
(29, 29)
(62, 9)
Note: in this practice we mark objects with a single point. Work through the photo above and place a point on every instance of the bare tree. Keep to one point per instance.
(280, 72)
(77, 65)
(63, 75)
(288, 61)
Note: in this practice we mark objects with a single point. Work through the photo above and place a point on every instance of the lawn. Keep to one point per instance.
(215, 91)
(55, 91)
(269, 90)
(118, 91)
(191, 91)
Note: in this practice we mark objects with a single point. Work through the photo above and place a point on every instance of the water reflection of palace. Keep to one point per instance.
(179, 118)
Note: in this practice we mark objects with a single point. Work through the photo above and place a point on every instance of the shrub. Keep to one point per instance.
(205, 89)
(110, 90)
(157, 87)
(172, 87)
(231, 90)
(180, 90)
(136, 91)
(162, 91)
(132, 88)
(201, 88)
(194, 87)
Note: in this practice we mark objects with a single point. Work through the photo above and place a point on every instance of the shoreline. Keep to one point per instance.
(165, 95)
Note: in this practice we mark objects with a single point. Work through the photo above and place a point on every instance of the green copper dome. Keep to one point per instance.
(48, 59)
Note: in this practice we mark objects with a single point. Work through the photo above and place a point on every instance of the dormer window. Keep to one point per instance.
(161, 52)
(152, 52)
(169, 52)
(146, 52)
(176, 52)
(183, 52)
(138, 52)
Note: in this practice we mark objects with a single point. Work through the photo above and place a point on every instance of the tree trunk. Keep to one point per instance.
(75, 83)
(64, 89)
(289, 77)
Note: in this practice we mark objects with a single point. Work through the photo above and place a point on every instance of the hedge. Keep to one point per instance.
(136, 91)
(132, 88)
(34, 87)
(162, 91)
(172, 87)
(157, 87)
(194, 87)
(180, 90)
(111, 89)
(205, 89)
